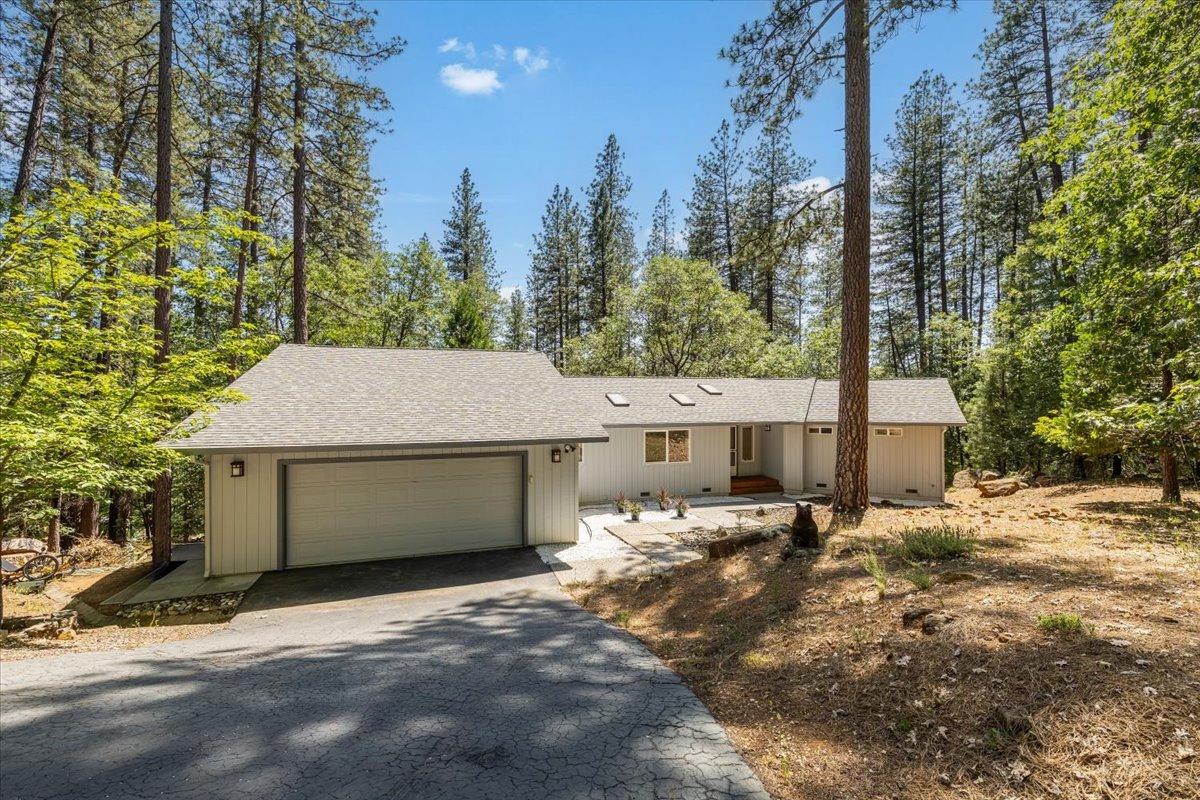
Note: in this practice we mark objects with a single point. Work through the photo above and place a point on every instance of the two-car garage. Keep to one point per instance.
(376, 508)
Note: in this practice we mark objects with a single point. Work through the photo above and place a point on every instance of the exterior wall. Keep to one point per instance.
(619, 466)
(783, 455)
(755, 465)
(895, 464)
(820, 454)
(242, 520)
(899, 464)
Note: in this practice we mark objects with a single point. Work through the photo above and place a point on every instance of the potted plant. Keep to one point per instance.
(664, 499)
(635, 511)
(681, 507)
(622, 502)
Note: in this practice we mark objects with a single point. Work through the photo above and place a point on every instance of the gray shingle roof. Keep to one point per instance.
(323, 397)
(742, 400)
(905, 401)
(303, 397)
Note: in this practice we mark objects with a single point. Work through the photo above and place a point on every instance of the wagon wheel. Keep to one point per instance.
(40, 568)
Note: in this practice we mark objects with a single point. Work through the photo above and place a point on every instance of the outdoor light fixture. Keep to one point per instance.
(556, 455)
(768, 427)
(568, 448)
(237, 469)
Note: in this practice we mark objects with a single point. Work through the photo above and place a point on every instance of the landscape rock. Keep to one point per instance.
(932, 623)
(998, 488)
(965, 479)
(914, 615)
(223, 603)
(989, 475)
(44, 626)
(728, 545)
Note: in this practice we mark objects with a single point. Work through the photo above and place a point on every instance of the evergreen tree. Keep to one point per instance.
(467, 243)
(611, 252)
(662, 229)
(556, 274)
(716, 208)
(517, 332)
(468, 325)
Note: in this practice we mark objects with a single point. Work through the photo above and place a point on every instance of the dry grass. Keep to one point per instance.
(100, 552)
(828, 695)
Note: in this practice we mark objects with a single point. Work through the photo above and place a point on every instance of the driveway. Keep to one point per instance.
(451, 677)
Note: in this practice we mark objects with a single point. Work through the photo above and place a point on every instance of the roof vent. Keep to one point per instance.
(617, 399)
(682, 399)
(708, 388)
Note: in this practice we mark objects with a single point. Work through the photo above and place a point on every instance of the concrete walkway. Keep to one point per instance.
(185, 580)
(466, 677)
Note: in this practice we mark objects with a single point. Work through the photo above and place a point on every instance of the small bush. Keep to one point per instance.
(937, 543)
(681, 506)
(664, 498)
(96, 551)
(621, 502)
(622, 618)
(877, 571)
(758, 659)
(1061, 623)
(920, 579)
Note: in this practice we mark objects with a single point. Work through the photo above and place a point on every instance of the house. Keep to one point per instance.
(352, 454)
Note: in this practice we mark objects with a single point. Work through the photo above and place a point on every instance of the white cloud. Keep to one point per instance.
(468, 80)
(453, 45)
(498, 52)
(814, 185)
(529, 62)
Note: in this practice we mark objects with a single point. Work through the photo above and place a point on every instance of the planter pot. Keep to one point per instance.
(635, 517)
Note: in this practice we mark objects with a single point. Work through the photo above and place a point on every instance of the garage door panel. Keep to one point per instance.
(356, 511)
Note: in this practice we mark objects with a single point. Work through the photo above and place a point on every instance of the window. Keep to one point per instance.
(682, 399)
(889, 431)
(748, 443)
(708, 388)
(617, 399)
(822, 429)
(663, 447)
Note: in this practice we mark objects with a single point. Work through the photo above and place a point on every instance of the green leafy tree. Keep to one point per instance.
(414, 307)
(1126, 229)
(83, 407)
(469, 323)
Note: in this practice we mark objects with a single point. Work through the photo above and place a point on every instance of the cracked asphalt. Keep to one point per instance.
(457, 677)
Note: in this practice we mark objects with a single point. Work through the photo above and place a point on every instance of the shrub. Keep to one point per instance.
(622, 502)
(96, 551)
(635, 509)
(877, 571)
(936, 542)
(920, 579)
(681, 506)
(621, 618)
(1061, 623)
(664, 498)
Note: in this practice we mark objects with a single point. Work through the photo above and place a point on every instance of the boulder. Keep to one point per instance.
(965, 479)
(989, 475)
(998, 488)
(914, 615)
(932, 623)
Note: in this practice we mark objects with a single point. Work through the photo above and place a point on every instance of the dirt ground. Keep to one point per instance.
(93, 588)
(828, 695)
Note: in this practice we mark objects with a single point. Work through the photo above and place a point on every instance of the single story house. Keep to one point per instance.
(345, 454)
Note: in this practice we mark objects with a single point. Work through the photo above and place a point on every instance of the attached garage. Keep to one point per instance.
(377, 508)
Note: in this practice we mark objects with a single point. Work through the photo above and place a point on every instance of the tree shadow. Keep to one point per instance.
(523, 694)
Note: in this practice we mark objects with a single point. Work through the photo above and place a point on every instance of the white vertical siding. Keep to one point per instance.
(242, 525)
(774, 451)
(619, 466)
(906, 466)
(793, 458)
(910, 465)
(820, 453)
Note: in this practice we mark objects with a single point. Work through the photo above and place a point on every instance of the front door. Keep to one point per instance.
(733, 450)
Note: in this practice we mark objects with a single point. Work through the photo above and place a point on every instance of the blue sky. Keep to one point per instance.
(525, 94)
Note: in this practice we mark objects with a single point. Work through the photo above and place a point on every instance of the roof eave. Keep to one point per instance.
(182, 446)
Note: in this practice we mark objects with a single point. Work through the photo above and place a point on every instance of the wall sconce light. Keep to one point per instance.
(767, 427)
(237, 469)
(556, 455)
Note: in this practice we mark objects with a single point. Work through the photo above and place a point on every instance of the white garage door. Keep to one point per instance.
(365, 510)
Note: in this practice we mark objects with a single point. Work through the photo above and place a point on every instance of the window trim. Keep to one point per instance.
(742, 443)
(667, 445)
(821, 430)
(887, 432)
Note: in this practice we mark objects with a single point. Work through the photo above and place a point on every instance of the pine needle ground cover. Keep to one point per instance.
(831, 691)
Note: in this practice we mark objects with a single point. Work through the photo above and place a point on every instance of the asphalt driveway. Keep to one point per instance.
(453, 677)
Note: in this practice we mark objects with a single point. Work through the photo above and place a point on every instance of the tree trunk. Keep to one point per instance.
(161, 542)
(249, 197)
(54, 528)
(1170, 466)
(1116, 465)
(89, 518)
(37, 110)
(119, 504)
(1056, 173)
(299, 206)
(850, 481)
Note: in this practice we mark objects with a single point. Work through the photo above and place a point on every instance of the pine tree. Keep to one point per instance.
(558, 264)
(468, 325)
(716, 208)
(611, 252)
(517, 333)
(467, 243)
(662, 229)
